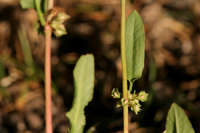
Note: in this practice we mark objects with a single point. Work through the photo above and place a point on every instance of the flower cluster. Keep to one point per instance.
(57, 24)
(56, 18)
(133, 100)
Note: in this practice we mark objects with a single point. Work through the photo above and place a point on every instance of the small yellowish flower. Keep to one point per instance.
(142, 96)
(118, 105)
(136, 108)
(124, 101)
(115, 93)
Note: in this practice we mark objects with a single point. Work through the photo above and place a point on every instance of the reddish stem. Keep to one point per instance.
(48, 112)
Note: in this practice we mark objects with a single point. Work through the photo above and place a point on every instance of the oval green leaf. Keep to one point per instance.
(135, 45)
(84, 86)
(177, 121)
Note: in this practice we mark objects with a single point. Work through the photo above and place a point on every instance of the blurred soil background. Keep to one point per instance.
(172, 65)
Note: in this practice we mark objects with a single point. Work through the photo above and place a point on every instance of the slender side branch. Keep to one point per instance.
(39, 12)
(48, 112)
(123, 58)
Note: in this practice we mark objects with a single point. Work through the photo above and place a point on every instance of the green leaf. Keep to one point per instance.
(25, 4)
(177, 121)
(135, 45)
(84, 85)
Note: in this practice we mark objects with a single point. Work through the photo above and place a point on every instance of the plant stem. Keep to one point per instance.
(48, 112)
(123, 58)
(39, 12)
(50, 4)
(48, 101)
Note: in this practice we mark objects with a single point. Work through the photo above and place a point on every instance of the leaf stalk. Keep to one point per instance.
(39, 12)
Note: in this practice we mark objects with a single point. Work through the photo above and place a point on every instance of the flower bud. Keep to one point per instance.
(142, 96)
(62, 17)
(115, 93)
(124, 102)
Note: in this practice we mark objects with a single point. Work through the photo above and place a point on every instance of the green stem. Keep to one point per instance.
(130, 86)
(45, 6)
(123, 58)
(39, 12)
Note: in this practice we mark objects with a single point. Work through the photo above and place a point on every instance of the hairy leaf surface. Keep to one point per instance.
(177, 121)
(135, 45)
(84, 85)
